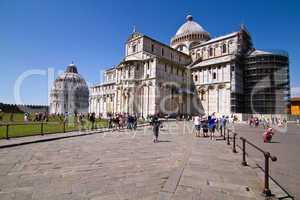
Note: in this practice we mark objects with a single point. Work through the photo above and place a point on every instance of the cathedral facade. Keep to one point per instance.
(194, 74)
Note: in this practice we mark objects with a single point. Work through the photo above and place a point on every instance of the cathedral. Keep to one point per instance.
(195, 74)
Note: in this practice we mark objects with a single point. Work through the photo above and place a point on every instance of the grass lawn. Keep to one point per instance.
(18, 128)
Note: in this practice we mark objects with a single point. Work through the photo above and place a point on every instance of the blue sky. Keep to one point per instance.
(37, 34)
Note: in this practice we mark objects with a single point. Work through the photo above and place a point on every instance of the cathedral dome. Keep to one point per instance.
(190, 26)
(188, 35)
(69, 93)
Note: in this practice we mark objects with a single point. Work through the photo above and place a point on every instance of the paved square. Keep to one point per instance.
(123, 166)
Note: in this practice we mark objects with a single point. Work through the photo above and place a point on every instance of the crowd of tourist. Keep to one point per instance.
(267, 122)
(209, 125)
(119, 120)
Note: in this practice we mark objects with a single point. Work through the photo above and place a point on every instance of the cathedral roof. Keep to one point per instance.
(190, 26)
(256, 52)
(71, 75)
(72, 68)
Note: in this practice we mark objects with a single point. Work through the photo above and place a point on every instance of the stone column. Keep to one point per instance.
(142, 100)
(147, 105)
(218, 98)
(208, 101)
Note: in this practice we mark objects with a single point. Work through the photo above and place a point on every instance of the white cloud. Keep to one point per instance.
(295, 91)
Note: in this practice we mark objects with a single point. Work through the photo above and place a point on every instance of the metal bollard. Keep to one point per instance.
(42, 128)
(233, 147)
(224, 133)
(244, 163)
(267, 192)
(7, 137)
(64, 127)
(228, 141)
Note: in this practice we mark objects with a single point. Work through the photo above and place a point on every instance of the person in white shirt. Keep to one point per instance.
(197, 124)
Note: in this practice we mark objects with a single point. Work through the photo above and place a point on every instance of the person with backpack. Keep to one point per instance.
(212, 126)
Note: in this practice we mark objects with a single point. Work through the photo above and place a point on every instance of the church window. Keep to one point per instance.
(152, 47)
(129, 73)
(196, 78)
(162, 51)
(210, 51)
(137, 67)
(202, 96)
(214, 75)
(179, 58)
(177, 71)
(224, 48)
(148, 65)
(171, 56)
(134, 48)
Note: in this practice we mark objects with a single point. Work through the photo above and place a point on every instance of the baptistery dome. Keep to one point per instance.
(188, 35)
(70, 93)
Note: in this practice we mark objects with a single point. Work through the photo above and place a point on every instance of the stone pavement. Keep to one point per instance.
(127, 165)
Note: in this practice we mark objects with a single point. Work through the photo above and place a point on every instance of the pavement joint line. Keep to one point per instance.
(173, 181)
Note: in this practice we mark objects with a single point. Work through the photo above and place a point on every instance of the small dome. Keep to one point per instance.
(189, 27)
(188, 35)
(72, 69)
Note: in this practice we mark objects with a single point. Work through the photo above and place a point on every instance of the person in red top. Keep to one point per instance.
(268, 134)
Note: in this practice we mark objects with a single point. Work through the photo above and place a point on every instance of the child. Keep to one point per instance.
(268, 134)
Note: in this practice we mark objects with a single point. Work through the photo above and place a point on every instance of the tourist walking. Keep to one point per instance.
(212, 126)
(197, 125)
(156, 125)
(26, 117)
(222, 125)
(110, 121)
(92, 120)
(135, 122)
(204, 125)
